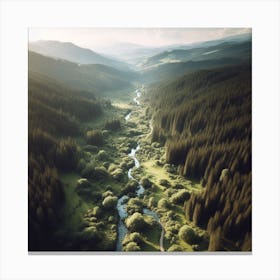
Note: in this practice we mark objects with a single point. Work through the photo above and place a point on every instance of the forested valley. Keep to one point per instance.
(155, 156)
(204, 121)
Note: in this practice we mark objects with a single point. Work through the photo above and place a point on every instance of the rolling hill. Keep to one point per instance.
(223, 50)
(94, 78)
(169, 71)
(73, 53)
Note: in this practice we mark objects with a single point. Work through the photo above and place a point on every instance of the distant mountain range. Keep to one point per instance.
(222, 50)
(169, 71)
(95, 78)
(174, 63)
(87, 70)
(136, 54)
(73, 53)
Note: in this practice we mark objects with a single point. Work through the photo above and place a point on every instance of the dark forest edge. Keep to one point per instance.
(204, 121)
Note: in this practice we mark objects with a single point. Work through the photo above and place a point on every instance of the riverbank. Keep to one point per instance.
(130, 170)
(122, 205)
(165, 190)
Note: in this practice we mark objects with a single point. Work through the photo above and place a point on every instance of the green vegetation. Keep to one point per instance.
(95, 137)
(71, 52)
(187, 234)
(58, 131)
(110, 202)
(193, 128)
(94, 78)
(113, 125)
(135, 222)
(206, 127)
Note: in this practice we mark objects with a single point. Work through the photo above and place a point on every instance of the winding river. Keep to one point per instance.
(121, 205)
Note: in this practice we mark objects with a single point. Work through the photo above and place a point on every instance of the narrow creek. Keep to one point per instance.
(121, 205)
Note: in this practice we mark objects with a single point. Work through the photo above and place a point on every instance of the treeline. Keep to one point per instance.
(54, 115)
(204, 119)
(57, 109)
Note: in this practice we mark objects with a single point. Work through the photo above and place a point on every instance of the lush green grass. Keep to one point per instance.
(74, 207)
(122, 96)
(156, 172)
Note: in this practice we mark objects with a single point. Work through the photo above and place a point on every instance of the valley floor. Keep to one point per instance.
(84, 212)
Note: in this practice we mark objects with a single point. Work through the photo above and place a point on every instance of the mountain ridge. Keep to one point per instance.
(91, 77)
(74, 53)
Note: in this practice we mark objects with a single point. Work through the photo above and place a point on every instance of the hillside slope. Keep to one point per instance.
(73, 53)
(55, 113)
(204, 120)
(94, 78)
(222, 50)
(169, 71)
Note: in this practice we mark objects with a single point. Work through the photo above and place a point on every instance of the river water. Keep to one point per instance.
(121, 205)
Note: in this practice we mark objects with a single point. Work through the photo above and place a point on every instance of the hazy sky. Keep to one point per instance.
(97, 38)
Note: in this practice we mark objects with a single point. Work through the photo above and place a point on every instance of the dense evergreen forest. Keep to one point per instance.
(55, 113)
(154, 156)
(204, 120)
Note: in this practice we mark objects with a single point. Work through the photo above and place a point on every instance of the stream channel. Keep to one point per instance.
(121, 205)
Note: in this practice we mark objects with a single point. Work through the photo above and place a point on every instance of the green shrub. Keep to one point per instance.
(180, 197)
(151, 222)
(155, 145)
(88, 171)
(118, 174)
(123, 165)
(129, 162)
(136, 237)
(112, 167)
(174, 248)
(93, 172)
(168, 234)
(169, 192)
(102, 155)
(100, 173)
(151, 202)
(187, 234)
(83, 183)
(146, 183)
(164, 182)
(134, 205)
(132, 237)
(106, 164)
(96, 211)
(135, 222)
(163, 203)
(132, 246)
(130, 187)
(110, 202)
(131, 143)
(107, 193)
